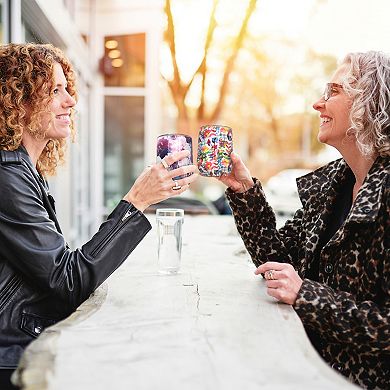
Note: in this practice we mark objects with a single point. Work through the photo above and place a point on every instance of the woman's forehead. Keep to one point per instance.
(340, 72)
(59, 75)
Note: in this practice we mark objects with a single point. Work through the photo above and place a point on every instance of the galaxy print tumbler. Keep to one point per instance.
(171, 143)
(215, 144)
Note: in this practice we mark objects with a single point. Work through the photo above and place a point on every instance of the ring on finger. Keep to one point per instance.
(270, 274)
(177, 186)
(164, 163)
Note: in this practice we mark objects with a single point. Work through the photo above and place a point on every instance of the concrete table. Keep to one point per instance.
(211, 326)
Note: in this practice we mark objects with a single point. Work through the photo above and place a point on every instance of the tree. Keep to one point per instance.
(275, 82)
(187, 119)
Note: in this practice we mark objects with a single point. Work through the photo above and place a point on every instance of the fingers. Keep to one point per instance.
(235, 157)
(165, 165)
(277, 283)
(271, 265)
(283, 282)
(178, 191)
(177, 156)
(184, 170)
(236, 160)
(161, 177)
(185, 180)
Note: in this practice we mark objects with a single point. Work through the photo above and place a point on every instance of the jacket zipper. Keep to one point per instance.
(119, 225)
(9, 291)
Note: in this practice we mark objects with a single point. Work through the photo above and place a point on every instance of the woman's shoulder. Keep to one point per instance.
(16, 172)
(8, 157)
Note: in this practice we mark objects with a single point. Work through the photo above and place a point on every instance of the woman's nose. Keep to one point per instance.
(69, 101)
(320, 103)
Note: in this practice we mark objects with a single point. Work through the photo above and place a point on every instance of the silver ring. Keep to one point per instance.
(164, 163)
(177, 186)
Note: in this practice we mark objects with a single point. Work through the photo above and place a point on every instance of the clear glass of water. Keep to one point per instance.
(169, 232)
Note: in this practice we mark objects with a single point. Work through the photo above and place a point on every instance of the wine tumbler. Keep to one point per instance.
(171, 143)
(215, 144)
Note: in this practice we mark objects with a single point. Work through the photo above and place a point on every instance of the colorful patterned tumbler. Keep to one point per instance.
(215, 144)
(171, 143)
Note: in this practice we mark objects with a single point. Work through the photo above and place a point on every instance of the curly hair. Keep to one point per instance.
(367, 82)
(27, 79)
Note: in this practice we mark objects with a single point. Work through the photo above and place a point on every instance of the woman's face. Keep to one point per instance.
(58, 121)
(334, 113)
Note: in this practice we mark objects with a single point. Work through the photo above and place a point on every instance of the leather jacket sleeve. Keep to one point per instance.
(31, 243)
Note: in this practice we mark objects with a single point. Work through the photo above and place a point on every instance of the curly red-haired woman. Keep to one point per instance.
(41, 280)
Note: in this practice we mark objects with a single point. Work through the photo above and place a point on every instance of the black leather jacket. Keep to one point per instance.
(42, 281)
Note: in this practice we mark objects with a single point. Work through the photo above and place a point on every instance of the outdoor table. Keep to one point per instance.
(211, 326)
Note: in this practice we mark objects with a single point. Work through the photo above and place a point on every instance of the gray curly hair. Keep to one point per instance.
(367, 82)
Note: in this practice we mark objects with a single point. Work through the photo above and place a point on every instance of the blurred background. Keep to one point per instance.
(149, 67)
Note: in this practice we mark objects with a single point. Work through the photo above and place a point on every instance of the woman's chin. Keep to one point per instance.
(321, 137)
(59, 133)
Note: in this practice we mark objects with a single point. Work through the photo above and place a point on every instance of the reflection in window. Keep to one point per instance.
(123, 145)
(123, 64)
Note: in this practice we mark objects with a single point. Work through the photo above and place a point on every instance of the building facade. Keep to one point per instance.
(114, 46)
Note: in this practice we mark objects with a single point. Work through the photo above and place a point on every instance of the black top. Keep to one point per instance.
(339, 213)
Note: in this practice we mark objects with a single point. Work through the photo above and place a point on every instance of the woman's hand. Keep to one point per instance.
(283, 282)
(240, 179)
(155, 182)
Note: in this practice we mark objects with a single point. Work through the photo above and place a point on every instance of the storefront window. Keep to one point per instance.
(123, 145)
(123, 64)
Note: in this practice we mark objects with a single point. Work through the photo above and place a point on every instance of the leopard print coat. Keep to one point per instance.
(349, 307)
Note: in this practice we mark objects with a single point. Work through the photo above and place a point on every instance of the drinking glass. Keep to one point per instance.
(169, 232)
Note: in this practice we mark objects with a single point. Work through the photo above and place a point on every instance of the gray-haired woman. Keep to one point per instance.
(332, 260)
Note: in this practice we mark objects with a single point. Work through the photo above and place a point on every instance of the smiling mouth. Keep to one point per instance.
(324, 121)
(62, 117)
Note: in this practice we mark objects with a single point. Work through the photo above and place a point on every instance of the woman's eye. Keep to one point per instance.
(55, 91)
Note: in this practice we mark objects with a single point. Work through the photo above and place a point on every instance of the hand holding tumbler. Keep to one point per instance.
(171, 143)
(215, 144)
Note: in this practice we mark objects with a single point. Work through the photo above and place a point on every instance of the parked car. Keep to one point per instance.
(189, 202)
(281, 192)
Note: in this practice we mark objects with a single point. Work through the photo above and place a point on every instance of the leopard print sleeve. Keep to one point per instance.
(256, 223)
(339, 318)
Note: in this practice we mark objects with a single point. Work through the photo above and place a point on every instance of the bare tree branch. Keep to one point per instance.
(230, 62)
(176, 85)
(179, 89)
(203, 65)
(170, 37)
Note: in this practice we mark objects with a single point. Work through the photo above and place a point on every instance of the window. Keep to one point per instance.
(123, 67)
(123, 145)
(123, 64)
